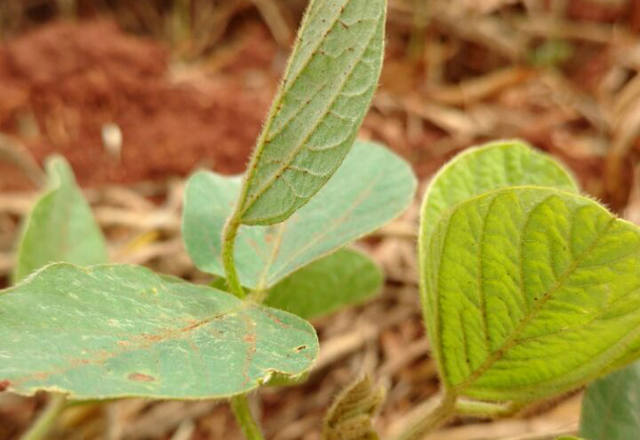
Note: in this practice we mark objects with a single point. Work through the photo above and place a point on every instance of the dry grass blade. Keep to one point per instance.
(276, 21)
(480, 88)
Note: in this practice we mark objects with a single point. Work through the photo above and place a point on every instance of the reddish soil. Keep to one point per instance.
(71, 79)
(62, 82)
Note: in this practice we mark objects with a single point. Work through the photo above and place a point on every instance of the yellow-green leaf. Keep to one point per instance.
(529, 292)
(488, 167)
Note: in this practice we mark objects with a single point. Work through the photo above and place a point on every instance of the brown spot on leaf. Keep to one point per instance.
(193, 324)
(299, 348)
(151, 338)
(4, 385)
(139, 377)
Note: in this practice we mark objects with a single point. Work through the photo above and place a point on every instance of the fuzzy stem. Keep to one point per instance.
(228, 245)
(46, 418)
(240, 408)
(432, 420)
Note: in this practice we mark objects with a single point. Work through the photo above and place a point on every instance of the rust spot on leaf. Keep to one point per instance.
(276, 320)
(194, 324)
(4, 385)
(151, 338)
(139, 377)
(250, 338)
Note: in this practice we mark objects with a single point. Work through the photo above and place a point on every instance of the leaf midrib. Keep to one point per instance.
(137, 344)
(263, 280)
(513, 338)
(288, 160)
(277, 102)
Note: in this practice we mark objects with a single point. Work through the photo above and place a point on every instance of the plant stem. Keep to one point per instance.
(46, 419)
(228, 246)
(432, 420)
(240, 408)
(486, 409)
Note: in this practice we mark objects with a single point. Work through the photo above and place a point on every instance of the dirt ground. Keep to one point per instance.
(469, 73)
(61, 84)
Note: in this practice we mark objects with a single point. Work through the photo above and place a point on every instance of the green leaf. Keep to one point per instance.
(529, 292)
(115, 331)
(611, 406)
(60, 226)
(344, 278)
(327, 89)
(488, 167)
(372, 187)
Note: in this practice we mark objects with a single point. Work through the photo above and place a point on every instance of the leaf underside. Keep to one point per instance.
(371, 188)
(344, 278)
(611, 406)
(116, 331)
(60, 226)
(331, 78)
(531, 291)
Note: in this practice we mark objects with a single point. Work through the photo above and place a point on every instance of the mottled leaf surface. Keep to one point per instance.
(488, 167)
(60, 226)
(371, 188)
(327, 89)
(343, 278)
(611, 406)
(114, 331)
(529, 292)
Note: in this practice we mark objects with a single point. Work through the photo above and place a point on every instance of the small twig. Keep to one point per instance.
(12, 151)
(185, 430)
(344, 344)
(480, 88)
(278, 26)
(550, 27)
